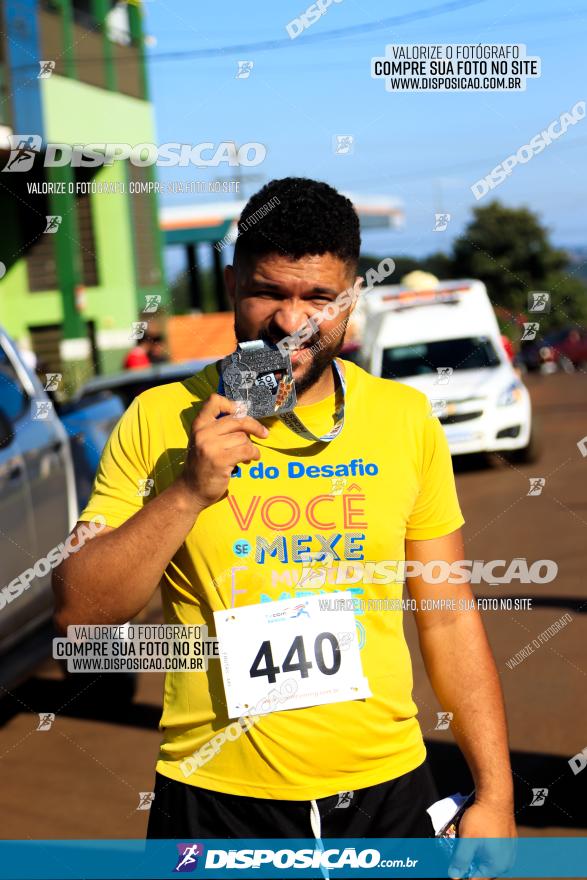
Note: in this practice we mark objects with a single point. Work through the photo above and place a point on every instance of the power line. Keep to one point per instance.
(351, 30)
(286, 42)
(573, 14)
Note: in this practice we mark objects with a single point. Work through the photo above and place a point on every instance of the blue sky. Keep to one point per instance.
(425, 148)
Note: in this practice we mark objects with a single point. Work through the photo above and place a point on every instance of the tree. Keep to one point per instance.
(510, 251)
(438, 264)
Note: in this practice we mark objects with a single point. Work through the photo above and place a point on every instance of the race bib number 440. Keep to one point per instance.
(263, 646)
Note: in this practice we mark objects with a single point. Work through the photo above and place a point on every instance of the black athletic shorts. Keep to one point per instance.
(391, 809)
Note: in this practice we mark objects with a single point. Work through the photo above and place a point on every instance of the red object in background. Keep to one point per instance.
(573, 347)
(136, 359)
(509, 348)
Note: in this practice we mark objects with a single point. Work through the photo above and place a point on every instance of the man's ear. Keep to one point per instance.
(230, 283)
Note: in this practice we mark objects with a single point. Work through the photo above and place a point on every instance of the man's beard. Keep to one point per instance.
(320, 360)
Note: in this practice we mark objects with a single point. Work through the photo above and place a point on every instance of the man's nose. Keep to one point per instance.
(291, 316)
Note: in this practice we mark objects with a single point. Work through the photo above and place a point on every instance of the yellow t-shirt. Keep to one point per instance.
(387, 476)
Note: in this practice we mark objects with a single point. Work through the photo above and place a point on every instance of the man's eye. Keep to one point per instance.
(257, 294)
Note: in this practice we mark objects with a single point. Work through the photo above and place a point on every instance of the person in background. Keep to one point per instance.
(138, 357)
(147, 351)
(509, 348)
(157, 353)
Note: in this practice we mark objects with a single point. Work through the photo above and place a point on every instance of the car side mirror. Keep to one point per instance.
(6, 430)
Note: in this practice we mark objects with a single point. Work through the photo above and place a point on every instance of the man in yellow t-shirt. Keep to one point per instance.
(269, 521)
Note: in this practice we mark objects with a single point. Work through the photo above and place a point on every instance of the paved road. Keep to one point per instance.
(82, 778)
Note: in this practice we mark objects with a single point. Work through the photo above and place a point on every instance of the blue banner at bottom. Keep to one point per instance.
(532, 857)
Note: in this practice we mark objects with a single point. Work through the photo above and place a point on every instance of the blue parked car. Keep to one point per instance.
(44, 482)
(89, 423)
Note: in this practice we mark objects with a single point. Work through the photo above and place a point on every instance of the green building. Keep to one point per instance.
(72, 72)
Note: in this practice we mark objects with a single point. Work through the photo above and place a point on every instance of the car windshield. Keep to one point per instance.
(470, 353)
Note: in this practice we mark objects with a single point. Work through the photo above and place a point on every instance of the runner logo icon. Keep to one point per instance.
(188, 854)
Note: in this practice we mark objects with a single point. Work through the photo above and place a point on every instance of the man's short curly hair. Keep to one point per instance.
(298, 217)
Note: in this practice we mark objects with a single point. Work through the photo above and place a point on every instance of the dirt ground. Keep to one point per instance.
(82, 778)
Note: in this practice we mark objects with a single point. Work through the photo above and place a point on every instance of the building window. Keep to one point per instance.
(5, 94)
(118, 24)
(145, 233)
(46, 343)
(86, 238)
(83, 13)
(40, 249)
(42, 265)
(51, 34)
(126, 48)
(41, 245)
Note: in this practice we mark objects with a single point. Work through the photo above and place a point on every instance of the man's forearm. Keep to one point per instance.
(462, 672)
(113, 576)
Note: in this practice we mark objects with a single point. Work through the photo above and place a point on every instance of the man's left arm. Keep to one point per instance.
(462, 672)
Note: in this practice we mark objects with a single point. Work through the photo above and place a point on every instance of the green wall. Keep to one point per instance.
(78, 113)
